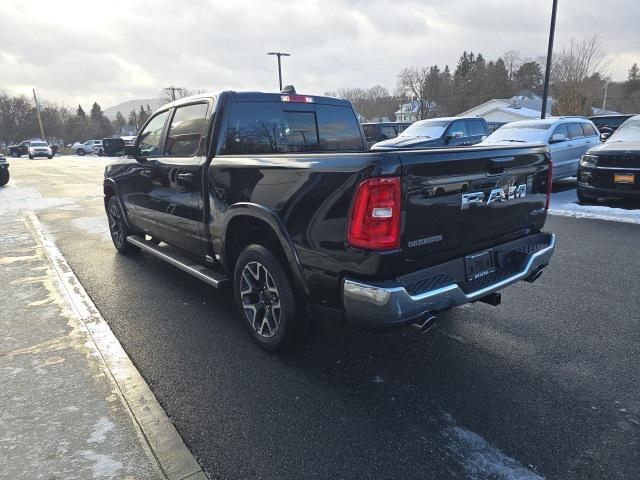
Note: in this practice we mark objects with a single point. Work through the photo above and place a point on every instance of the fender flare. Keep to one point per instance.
(259, 212)
(111, 184)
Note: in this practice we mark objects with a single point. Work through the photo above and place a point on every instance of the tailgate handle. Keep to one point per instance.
(498, 166)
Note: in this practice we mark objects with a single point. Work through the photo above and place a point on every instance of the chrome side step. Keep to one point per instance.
(213, 278)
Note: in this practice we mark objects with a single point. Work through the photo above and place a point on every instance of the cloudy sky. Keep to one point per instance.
(78, 51)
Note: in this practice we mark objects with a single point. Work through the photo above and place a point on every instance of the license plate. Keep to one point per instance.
(624, 178)
(479, 265)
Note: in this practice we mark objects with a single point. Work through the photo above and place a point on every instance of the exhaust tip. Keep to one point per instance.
(534, 276)
(426, 324)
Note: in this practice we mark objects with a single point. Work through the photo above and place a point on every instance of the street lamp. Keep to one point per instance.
(279, 54)
(547, 73)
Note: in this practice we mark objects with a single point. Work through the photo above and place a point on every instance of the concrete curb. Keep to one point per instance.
(164, 441)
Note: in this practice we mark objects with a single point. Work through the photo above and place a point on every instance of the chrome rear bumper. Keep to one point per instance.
(368, 305)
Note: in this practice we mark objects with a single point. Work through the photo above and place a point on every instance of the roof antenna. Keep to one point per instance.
(289, 90)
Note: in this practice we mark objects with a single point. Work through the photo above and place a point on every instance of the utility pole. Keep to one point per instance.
(547, 73)
(279, 54)
(606, 90)
(35, 100)
(172, 89)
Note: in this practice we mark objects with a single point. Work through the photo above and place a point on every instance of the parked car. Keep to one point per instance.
(32, 148)
(607, 124)
(438, 132)
(376, 132)
(277, 196)
(4, 171)
(612, 168)
(568, 138)
(88, 147)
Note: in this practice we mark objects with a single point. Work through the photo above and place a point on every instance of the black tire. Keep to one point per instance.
(30, 157)
(15, 154)
(49, 157)
(118, 227)
(80, 152)
(4, 176)
(101, 153)
(266, 300)
(583, 198)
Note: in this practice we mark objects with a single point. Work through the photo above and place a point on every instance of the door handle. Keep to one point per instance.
(185, 177)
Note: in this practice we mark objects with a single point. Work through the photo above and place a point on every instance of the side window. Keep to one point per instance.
(369, 132)
(476, 128)
(588, 129)
(388, 131)
(458, 126)
(338, 129)
(562, 129)
(185, 131)
(575, 130)
(149, 139)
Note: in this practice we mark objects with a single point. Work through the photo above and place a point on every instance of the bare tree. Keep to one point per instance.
(512, 62)
(414, 82)
(577, 74)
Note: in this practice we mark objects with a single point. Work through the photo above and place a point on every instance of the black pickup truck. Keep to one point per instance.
(276, 195)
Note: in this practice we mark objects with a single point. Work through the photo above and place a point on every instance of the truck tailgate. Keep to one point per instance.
(464, 199)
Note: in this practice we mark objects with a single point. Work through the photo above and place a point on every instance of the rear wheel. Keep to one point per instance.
(4, 176)
(80, 152)
(14, 154)
(118, 227)
(265, 298)
(30, 157)
(49, 157)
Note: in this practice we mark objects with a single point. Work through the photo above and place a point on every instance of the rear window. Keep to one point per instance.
(575, 130)
(613, 122)
(262, 128)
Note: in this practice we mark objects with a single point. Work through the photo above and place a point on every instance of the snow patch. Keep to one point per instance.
(104, 466)
(100, 430)
(15, 198)
(566, 204)
(481, 460)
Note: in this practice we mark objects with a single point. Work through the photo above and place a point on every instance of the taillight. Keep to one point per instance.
(549, 184)
(375, 218)
(296, 99)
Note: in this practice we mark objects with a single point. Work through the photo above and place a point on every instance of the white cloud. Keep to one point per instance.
(78, 51)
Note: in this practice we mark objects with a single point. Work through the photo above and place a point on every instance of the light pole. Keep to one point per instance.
(552, 32)
(279, 54)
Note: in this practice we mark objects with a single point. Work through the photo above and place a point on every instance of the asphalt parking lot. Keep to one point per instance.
(544, 386)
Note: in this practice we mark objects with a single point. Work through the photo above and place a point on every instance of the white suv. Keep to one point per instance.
(568, 138)
(90, 146)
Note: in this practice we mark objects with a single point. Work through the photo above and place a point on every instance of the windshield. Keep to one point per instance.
(520, 133)
(426, 128)
(38, 144)
(629, 131)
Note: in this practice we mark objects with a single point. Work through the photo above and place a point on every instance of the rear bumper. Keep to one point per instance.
(389, 304)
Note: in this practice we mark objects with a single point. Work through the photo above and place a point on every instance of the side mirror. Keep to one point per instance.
(558, 137)
(113, 147)
(452, 135)
(604, 136)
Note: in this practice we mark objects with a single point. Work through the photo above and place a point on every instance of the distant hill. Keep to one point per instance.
(126, 107)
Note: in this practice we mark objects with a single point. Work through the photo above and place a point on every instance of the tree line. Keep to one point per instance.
(18, 121)
(578, 82)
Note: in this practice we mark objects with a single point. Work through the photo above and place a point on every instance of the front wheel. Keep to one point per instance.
(266, 301)
(50, 157)
(30, 157)
(80, 152)
(15, 154)
(4, 176)
(118, 227)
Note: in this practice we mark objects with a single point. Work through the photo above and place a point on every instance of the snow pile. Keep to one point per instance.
(566, 204)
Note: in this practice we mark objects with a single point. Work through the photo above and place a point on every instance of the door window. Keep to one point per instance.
(150, 138)
(388, 132)
(458, 126)
(575, 130)
(476, 128)
(185, 131)
(561, 129)
(589, 131)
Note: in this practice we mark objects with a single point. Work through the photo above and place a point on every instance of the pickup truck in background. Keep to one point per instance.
(376, 132)
(437, 133)
(276, 195)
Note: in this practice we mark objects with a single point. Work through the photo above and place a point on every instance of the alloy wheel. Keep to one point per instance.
(115, 224)
(260, 299)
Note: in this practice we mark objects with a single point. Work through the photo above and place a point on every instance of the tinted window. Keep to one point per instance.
(388, 132)
(562, 129)
(338, 128)
(282, 128)
(149, 139)
(458, 126)
(588, 129)
(575, 130)
(186, 129)
(613, 122)
(369, 132)
(476, 128)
